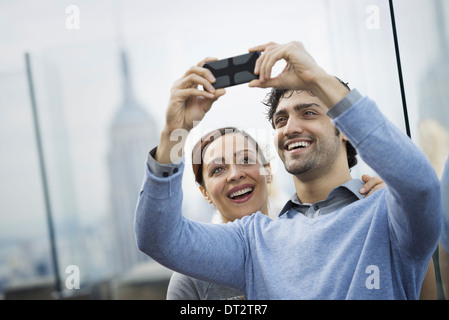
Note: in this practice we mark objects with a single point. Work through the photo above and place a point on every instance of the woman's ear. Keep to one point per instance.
(205, 195)
(268, 173)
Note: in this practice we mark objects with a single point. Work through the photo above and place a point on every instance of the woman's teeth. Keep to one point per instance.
(240, 192)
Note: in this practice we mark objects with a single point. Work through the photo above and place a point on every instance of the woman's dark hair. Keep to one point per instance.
(201, 146)
(272, 101)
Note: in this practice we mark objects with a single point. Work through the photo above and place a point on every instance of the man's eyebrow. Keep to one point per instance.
(297, 108)
(306, 105)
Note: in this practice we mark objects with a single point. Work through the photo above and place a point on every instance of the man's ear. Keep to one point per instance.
(205, 195)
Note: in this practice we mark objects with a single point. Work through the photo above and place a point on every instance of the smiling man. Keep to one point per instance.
(329, 242)
(308, 143)
(310, 146)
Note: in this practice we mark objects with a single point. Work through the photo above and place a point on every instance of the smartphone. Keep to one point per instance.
(233, 71)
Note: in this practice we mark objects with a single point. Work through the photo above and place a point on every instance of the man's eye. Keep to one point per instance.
(280, 121)
(310, 113)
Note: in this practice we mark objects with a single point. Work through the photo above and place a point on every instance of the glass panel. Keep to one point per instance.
(24, 242)
(423, 32)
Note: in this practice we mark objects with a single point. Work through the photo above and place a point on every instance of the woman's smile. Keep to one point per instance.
(241, 194)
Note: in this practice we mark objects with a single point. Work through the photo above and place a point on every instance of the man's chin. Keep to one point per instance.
(297, 169)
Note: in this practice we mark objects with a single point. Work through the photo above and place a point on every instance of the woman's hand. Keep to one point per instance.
(188, 104)
(371, 185)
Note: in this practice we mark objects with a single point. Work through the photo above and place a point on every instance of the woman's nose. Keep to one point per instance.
(235, 173)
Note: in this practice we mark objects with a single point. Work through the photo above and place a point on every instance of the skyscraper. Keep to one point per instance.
(132, 133)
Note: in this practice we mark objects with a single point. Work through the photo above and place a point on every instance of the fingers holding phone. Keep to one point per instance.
(188, 103)
(298, 73)
(196, 76)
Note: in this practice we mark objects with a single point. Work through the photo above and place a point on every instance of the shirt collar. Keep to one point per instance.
(353, 186)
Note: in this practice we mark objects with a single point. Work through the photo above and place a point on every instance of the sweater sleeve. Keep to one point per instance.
(413, 188)
(182, 287)
(445, 199)
(205, 251)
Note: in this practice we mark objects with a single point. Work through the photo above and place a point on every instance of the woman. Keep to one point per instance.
(230, 157)
(242, 165)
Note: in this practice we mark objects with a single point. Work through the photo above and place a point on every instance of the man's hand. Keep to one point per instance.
(300, 73)
(371, 185)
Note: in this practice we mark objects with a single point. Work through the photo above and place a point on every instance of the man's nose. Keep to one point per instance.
(292, 127)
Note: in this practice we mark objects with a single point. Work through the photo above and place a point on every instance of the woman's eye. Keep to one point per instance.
(216, 170)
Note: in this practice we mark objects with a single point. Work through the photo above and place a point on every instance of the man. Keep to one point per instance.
(327, 243)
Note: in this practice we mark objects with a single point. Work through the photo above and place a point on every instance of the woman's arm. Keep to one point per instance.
(204, 251)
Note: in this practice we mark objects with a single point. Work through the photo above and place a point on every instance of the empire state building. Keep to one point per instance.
(132, 133)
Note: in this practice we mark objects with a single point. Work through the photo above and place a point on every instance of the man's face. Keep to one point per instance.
(306, 140)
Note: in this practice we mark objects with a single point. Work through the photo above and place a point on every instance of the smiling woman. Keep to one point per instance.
(232, 172)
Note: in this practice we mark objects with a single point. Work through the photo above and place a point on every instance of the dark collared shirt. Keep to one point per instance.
(339, 197)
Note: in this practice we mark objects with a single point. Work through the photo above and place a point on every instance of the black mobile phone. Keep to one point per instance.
(235, 70)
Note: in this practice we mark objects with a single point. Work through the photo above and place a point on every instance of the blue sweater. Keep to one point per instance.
(375, 248)
(445, 200)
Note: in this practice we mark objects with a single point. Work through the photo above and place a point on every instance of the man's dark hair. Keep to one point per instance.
(272, 101)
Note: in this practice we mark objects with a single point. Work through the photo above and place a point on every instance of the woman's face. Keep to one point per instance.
(235, 180)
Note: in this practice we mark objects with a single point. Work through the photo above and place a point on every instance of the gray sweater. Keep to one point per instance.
(182, 287)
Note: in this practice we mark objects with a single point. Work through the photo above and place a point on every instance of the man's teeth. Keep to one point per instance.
(240, 192)
(302, 144)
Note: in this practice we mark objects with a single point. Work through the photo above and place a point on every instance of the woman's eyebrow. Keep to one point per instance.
(246, 151)
(218, 160)
(221, 160)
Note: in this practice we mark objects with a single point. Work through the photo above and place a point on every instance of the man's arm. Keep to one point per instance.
(413, 189)
(445, 200)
